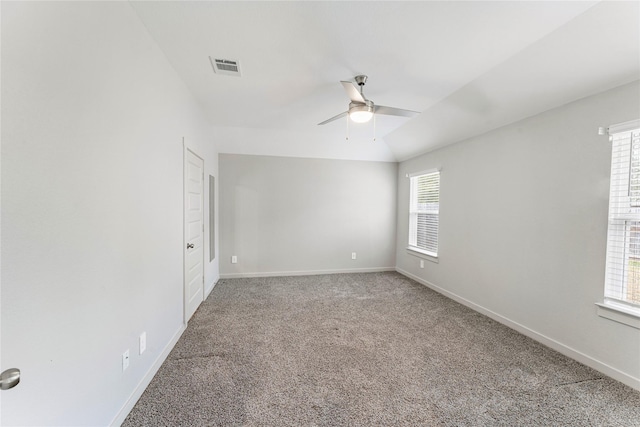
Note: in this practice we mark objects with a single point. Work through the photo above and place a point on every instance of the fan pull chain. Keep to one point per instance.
(374, 127)
(347, 138)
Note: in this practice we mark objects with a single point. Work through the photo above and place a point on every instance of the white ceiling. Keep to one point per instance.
(469, 67)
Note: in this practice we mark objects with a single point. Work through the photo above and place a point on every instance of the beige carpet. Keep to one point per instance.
(367, 350)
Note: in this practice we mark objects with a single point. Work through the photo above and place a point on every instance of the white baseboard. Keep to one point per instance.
(549, 342)
(305, 273)
(144, 382)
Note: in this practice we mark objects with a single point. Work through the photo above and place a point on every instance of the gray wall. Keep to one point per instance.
(524, 224)
(282, 215)
(93, 118)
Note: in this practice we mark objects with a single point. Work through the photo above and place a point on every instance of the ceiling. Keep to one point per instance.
(469, 67)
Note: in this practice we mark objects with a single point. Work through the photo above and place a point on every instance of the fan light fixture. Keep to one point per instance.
(361, 113)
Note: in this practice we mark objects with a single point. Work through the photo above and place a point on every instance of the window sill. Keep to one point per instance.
(619, 313)
(420, 254)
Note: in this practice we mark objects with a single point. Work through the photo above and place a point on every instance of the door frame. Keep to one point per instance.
(185, 291)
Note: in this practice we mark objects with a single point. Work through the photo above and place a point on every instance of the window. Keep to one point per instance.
(424, 213)
(622, 282)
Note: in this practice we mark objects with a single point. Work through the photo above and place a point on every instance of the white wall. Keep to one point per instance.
(283, 215)
(523, 227)
(92, 157)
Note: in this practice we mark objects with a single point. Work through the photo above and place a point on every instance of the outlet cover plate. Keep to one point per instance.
(143, 342)
(125, 360)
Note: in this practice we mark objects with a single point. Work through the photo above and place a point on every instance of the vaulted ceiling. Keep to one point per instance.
(468, 67)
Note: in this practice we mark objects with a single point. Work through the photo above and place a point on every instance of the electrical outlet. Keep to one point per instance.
(353, 255)
(125, 360)
(421, 263)
(143, 342)
(234, 259)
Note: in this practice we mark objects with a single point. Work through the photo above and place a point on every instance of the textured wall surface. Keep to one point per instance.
(93, 118)
(287, 215)
(523, 224)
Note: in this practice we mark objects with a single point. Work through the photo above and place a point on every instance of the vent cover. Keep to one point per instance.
(227, 67)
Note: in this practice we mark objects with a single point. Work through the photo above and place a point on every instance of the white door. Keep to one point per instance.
(193, 233)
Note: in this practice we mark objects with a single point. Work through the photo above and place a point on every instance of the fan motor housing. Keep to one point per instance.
(359, 106)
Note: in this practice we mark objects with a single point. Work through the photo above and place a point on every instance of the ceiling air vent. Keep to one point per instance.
(227, 67)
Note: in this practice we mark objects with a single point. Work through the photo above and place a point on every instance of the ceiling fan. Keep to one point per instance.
(361, 109)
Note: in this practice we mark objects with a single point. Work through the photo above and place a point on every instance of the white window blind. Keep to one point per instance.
(622, 282)
(424, 213)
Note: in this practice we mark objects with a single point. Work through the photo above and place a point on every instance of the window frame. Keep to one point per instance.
(623, 212)
(414, 211)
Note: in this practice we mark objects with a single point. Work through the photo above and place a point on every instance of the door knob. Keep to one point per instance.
(189, 245)
(9, 378)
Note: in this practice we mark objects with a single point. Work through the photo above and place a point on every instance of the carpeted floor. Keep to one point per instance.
(373, 349)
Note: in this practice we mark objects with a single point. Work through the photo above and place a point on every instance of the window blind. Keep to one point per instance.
(622, 282)
(424, 213)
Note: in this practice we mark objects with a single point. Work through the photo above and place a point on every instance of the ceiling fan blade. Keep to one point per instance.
(334, 118)
(353, 93)
(391, 111)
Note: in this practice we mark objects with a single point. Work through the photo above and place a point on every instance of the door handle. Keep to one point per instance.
(9, 378)
(189, 245)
